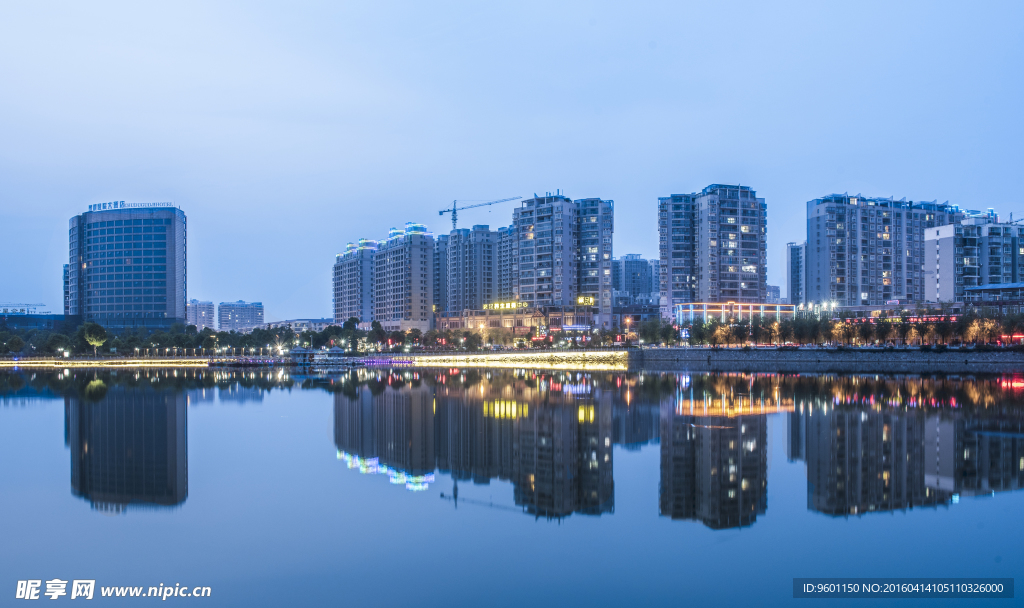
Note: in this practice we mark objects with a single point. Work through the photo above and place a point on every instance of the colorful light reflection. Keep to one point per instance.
(372, 466)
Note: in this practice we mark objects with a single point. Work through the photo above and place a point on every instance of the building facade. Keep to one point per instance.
(975, 252)
(127, 265)
(795, 272)
(239, 316)
(731, 245)
(200, 314)
(632, 274)
(506, 257)
(472, 268)
(713, 247)
(439, 276)
(677, 278)
(353, 282)
(869, 251)
(565, 253)
(403, 286)
(300, 325)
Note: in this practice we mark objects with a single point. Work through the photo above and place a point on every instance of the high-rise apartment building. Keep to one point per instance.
(353, 282)
(565, 253)
(506, 259)
(795, 272)
(472, 268)
(67, 290)
(869, 251)
(632, 274)
(239, 316)
(976, 251)
(200, 314)
(713, 247)
(439, 276)
(127, 265)
(403, 285)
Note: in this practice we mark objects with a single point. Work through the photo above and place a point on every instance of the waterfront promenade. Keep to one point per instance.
(768, 360)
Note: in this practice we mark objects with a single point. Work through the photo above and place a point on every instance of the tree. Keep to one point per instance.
(15, 344)
(866, 330)
(740, 332)
(57, 343)
(209, 343)
(95, 335)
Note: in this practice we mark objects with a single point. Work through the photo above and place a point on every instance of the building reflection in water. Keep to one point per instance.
(384, 430)
(714, 449)
(550, 436)
(887, 446)
(129, 446)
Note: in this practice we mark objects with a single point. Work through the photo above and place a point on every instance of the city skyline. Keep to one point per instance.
(330, 124)
(683, 236)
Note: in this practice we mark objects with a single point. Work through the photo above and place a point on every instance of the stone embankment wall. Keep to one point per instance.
(826, 360)
(594, 360)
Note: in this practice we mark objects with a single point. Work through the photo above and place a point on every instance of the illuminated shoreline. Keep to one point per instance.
(582, 361)
(122, 363)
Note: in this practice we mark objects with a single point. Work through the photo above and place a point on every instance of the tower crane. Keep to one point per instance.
(455, 208)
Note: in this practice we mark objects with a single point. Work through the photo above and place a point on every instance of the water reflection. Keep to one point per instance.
(869, 443)
(866, 460)
(128, 446)
(714, 469)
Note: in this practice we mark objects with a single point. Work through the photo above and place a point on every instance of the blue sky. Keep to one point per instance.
(286, 130)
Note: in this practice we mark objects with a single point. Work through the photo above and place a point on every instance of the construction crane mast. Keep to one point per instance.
(455, 208)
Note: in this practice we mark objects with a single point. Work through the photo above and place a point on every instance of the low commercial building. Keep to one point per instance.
(1006, 298)
(631, 316)
(301, 325)
(521, 319)
(731, 312)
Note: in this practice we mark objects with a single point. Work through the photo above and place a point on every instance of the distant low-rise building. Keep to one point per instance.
(239, 316)
(200, 314)
(301, 325)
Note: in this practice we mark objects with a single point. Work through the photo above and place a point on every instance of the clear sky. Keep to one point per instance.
(286, 130)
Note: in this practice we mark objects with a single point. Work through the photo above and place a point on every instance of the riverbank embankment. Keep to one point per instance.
(769, 360)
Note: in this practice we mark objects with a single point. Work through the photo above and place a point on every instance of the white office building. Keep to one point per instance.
(200, 314)
(239, 316)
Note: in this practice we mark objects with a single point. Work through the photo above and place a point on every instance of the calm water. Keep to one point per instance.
(506, 488)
